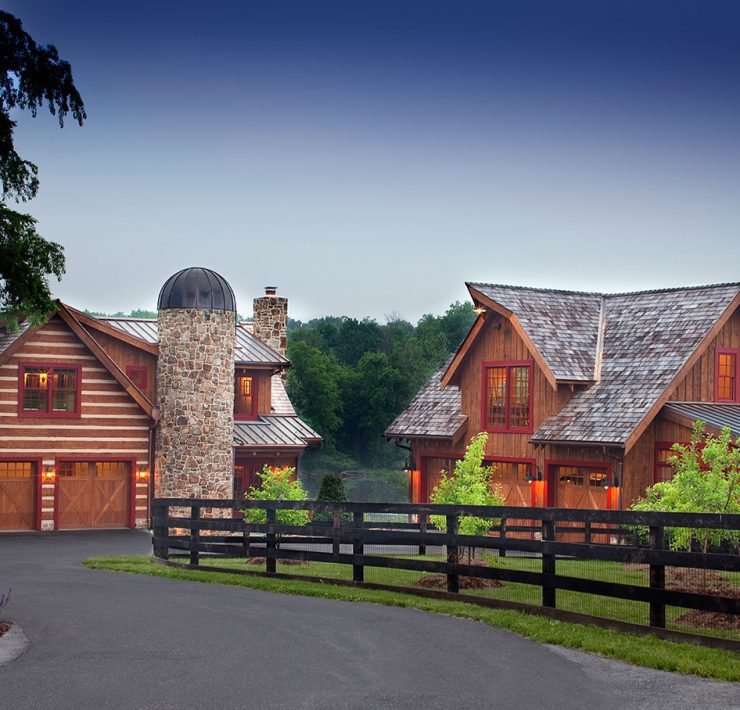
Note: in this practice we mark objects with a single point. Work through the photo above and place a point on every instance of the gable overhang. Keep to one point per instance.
(482, 300)
(711, 334)
(20, 341)
(92, 322)
(131, 389)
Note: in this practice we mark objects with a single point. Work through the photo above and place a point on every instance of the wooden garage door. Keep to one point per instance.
(17, 495)
(581, 487)
(93, 494)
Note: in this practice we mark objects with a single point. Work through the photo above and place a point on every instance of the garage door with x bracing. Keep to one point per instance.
(17, 495)
(93, 494)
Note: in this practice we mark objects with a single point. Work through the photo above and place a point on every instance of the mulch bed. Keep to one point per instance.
(4, 626)
(439, 581)
(698, 581)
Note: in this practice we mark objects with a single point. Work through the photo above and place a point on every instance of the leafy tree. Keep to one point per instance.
(30, 76)
(276, 484)
(705, 480)
(25, 258)
(470, 484)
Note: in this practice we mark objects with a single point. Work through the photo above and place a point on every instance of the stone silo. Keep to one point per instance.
(195, 386)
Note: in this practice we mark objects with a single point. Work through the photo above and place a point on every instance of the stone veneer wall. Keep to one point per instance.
(195, 396)
(270, 315)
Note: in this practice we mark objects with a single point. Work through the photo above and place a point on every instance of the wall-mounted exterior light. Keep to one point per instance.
(48, 475)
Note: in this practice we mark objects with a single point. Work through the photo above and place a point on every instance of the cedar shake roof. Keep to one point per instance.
(647, 338)
(563, 325)
(433, 413)
(249, 349)
(8, 336)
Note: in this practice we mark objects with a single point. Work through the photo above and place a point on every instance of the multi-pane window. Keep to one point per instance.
(50, 390)
(507, 401)
(725, 373)
(16, 469)
(663, 467)
(245, 397)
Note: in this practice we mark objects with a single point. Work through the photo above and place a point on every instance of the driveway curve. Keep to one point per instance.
(106, 640)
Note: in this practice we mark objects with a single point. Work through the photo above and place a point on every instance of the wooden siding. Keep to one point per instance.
(125, 355)
(698, 385)
(264, 391)
(110, 426)
(506, 345)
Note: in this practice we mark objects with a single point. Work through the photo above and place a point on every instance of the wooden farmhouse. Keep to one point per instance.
(79, 415)
(582, 394)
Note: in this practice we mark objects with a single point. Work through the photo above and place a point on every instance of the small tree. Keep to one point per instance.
(470, 484)
(705, 480)
(331, 489)
(276, 484)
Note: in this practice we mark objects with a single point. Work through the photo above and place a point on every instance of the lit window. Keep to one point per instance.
(245, 397)
(50, 391)
(725, 367)
(507, 395)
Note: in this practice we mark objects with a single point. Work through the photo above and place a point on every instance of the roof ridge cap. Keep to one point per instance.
(534, 288)
(669, 289)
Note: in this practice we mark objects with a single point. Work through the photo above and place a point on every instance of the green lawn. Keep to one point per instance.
(611, 608)
(641, 650)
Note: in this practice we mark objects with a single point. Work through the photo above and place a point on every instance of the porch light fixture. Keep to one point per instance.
(530, 477)
(480, 310)
(606, 483)
(142, 474)
(408, 467)
(48, 474)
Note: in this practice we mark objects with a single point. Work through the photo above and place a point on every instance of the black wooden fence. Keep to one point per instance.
(549, 534)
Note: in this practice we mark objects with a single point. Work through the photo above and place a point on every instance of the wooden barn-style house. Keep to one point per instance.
(79, 416)
(582, 394)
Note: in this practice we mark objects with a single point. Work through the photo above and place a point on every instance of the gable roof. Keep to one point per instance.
(633, 346)
(562, 325)
(433, 413)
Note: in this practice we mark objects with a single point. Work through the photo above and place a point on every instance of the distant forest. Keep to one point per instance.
(350, 378)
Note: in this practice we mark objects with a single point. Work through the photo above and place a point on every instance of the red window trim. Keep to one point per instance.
(484, 395)
(48, 413)
(717, 353)
(249, 416)
(103, 459)
(138, 371)
(38, 462)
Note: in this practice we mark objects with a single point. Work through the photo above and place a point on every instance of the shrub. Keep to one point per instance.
(276, 484)
(332, 489)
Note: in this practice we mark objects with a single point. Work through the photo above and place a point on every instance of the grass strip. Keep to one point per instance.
(648, 651)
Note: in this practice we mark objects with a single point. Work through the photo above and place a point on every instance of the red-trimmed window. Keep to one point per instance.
(245, 396)
(725, 375)
(49, 391)
(138, 375)
(507, 396)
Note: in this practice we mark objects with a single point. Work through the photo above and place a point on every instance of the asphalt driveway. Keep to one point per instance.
(107, 640)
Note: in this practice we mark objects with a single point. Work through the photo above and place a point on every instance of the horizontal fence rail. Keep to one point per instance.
(548, 536)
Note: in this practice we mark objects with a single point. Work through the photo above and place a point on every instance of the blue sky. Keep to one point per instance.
(370, 157)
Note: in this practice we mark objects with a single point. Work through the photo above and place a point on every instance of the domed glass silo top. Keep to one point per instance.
(197, 287)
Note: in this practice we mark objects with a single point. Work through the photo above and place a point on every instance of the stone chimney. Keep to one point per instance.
(195, 386)
(271, 319)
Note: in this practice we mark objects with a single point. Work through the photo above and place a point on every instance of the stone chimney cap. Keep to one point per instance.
(197, 287)
(270, 290)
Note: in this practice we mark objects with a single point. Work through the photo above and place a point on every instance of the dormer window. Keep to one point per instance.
(725, 375)
(507, 396)
(245, 396)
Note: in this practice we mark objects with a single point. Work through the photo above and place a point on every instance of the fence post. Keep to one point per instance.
(453, 580)
(270, 544)
(502, 536)
(161, 548)
(194, 536)
(587, 532)
(548, 564)
(657, 577)
(423, 521)
(336, 521)
(358, 547)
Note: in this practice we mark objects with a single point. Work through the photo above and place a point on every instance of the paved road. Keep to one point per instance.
(105, 640)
